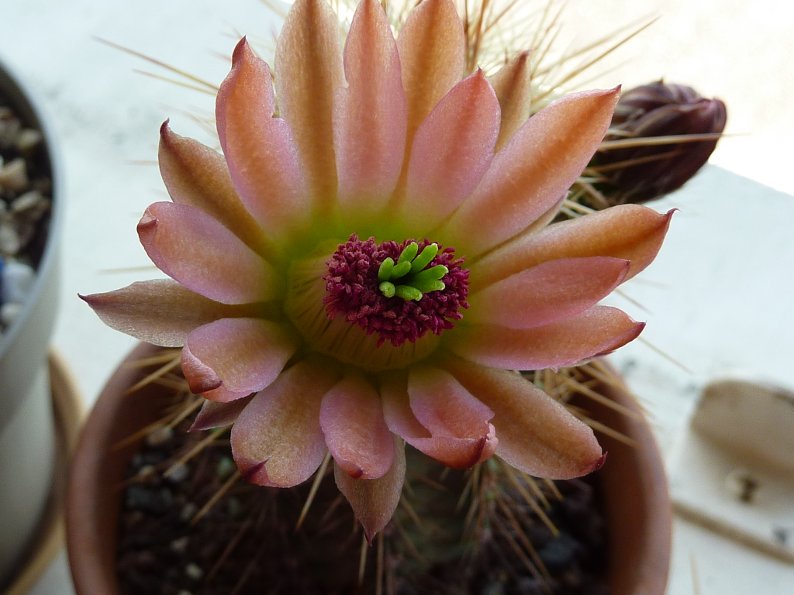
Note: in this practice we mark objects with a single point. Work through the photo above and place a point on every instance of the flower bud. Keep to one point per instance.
(646, 170)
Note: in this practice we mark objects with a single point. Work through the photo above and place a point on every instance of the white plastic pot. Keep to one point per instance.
(26, 415)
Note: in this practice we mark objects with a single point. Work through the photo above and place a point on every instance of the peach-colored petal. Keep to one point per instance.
(216, 415)
(596, 331)
(309, 67)
(196, 175)
(631, 232)
(370, 114)
(432, 53)
(452, 149)
(530, 174)
(190, 246)
(547, 292)
(351, 417)
(546, 218)
(258, 147)
(234, 357)
(513, 86)
(537, 434)
(459, 449)
(277, 440)
(443, 406)
(374, 500)
(161, 311)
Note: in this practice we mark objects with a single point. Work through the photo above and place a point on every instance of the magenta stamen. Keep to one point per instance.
(352, 291)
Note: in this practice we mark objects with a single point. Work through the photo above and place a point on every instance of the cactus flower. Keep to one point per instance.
(362, 268)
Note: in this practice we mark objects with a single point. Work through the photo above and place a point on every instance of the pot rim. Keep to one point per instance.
(639, 562)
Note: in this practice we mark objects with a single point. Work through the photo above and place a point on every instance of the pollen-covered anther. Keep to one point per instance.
(398, 290)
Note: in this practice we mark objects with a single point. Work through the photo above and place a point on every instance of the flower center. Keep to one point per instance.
(399, 291)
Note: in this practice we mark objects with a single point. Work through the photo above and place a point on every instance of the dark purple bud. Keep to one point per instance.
(646, 171)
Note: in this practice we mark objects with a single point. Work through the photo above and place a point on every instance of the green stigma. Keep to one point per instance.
(408, 278)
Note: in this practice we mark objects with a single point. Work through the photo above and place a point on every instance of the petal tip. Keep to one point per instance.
(251, 471)
(147, 222)
(204, 385)
(241, 51)
(369, 534)
(597, 464)
(352, 470)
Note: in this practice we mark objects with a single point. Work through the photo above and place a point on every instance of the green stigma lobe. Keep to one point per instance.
(387, 288)
(414, 279)
(401, 269)
(407, 292)
(409, 252)
(421, 261)
(385, 269)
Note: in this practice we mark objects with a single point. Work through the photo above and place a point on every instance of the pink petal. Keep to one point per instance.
(277, 440)
(530, 174)
(160, 311)
(370, 116)
(259, 149)
(630, 232)
(374, 500)
(190, 246)
(467, 442)
(596, 331)
(513, 86)
(309, 67)
(352, 420)
(216, 415)
(548, 292)
(432, 54)
(234, 357)
(196, 175)
(443, 406)
(537, 435)
(452, 149)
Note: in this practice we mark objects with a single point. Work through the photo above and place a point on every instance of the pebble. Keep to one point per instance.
(225, 467)
(194, 571)
(146, 471)
(179, 545)
(9, 313)
(178, 473)
(558, 554)
(31, 203)
(14, 175)
(155, 501)
(188, 511)
(17, 282)
(27, 140)
(10, 242)
(159, 436)
(9, 127)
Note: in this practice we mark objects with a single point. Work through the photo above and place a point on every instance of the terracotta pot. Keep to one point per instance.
(635, 489)
(27, 433)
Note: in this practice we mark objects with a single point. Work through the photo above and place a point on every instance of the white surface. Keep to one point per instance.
(718, 297)
(734, 470)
